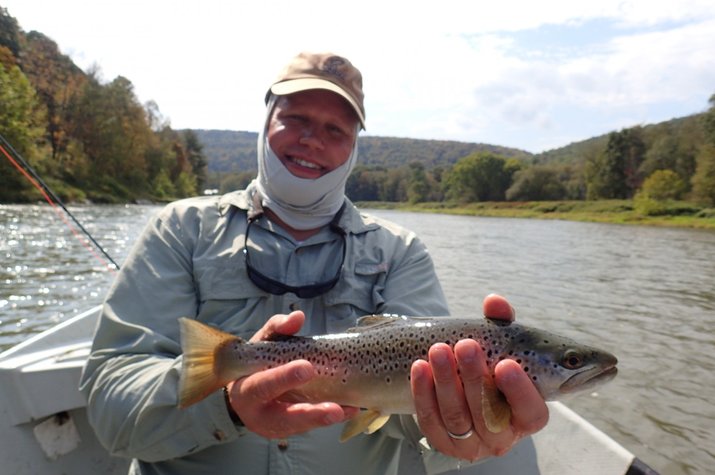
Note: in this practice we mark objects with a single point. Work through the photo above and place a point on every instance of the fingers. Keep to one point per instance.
(260, 399)
(447, 393)
(441, 400)
(257, 401)
(280, 325)
(454, 410)
(270, 384)
(529, 411)
(496, 306)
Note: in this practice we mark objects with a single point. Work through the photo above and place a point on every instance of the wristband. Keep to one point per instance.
(231, 413)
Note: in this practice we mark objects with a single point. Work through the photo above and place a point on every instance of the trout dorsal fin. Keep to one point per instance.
(365, 422)
(372, 321)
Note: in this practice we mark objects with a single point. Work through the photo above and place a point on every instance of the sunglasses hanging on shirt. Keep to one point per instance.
(276, 287)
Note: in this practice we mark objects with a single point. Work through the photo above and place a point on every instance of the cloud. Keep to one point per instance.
(512, 72)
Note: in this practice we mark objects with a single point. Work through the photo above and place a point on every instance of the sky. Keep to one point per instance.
(533, 75)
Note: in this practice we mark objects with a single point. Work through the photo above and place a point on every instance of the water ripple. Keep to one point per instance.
(644, 293)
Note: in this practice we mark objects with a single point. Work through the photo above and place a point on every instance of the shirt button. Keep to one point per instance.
(283, 445)
(294, 306)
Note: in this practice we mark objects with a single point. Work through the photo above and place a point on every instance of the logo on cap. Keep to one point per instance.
(333, 66)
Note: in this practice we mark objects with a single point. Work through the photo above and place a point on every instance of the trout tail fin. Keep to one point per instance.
(200, 375)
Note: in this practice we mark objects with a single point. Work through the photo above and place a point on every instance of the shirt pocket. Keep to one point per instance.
(228, 298)
(358, 293)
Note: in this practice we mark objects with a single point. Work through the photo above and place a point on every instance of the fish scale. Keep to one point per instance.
(369, 365)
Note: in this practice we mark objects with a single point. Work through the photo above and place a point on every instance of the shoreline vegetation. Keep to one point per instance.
(669, 214)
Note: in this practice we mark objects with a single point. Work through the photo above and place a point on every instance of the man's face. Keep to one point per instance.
(312, 132)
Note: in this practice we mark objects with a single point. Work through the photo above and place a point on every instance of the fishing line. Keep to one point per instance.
(55, 202)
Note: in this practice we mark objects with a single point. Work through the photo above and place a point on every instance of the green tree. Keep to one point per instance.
(185, 185)
(480, 177)
(709, 121)
(57, 81)
(418, 187)
(162, 187)
(115, 134)
(536, 183)
(364, 183)
(614, 173)
(394, 186)
(20, 123)
(703, 180)
(196, 157)
(9, 32)
(663, 185)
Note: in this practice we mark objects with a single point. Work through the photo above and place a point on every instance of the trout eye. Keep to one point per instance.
(572, 360)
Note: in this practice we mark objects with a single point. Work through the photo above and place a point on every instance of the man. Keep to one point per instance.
(290, 246)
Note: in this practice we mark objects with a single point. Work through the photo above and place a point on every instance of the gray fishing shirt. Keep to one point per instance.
(189, 262)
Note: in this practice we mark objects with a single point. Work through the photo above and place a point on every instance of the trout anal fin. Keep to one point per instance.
(365, 422)
(495, 408)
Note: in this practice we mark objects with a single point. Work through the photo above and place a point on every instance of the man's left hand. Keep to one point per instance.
(447, 394)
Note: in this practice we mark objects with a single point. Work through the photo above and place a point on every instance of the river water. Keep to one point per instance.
(646, 294)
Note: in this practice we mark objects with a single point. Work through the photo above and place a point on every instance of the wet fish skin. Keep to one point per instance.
(369, 365)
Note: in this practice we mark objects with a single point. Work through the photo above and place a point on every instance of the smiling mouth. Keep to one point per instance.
(303, 163)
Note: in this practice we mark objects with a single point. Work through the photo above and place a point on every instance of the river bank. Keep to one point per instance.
(674, 214)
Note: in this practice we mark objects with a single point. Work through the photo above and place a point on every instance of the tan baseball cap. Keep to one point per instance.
(322, 71)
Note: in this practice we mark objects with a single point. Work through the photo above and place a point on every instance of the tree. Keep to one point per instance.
(394, 186)
(196, 157)
(663, 185)
(614, 173)
(536, 183)
(364, 184)
(20, 123)
(703, 180)
(57, 81)
(418, 187)
(9, 32)
(113, 129)
(709, 121)
(480, 177)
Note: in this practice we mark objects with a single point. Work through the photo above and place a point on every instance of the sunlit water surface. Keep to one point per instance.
(646, 294)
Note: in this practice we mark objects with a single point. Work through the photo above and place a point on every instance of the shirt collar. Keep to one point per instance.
(352, 220)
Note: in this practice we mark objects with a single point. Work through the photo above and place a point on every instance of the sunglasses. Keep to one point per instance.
(277, 287)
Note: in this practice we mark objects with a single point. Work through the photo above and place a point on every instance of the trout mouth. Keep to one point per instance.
(588, 379)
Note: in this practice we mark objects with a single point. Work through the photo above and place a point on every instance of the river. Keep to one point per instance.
(646, 294)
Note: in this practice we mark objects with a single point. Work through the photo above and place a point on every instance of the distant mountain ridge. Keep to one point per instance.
(235, 151)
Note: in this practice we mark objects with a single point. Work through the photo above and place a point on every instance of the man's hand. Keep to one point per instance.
(257, 398)
(447, 393)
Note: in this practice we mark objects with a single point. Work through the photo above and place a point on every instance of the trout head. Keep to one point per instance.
(559, 366)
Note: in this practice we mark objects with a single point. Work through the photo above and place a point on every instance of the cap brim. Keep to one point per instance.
(304, 84)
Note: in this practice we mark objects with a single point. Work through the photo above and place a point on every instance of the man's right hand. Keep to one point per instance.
(257, 398)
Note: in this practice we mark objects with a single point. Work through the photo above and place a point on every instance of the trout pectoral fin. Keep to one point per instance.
(495, 408)
(366, 421)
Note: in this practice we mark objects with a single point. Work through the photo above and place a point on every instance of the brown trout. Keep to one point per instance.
(369, 365)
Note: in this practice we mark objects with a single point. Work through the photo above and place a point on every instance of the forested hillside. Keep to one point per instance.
(88, 139)
(672, 160)
(92, 140)
(235, 151)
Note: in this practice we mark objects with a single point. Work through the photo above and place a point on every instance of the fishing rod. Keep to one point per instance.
(51, 197)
